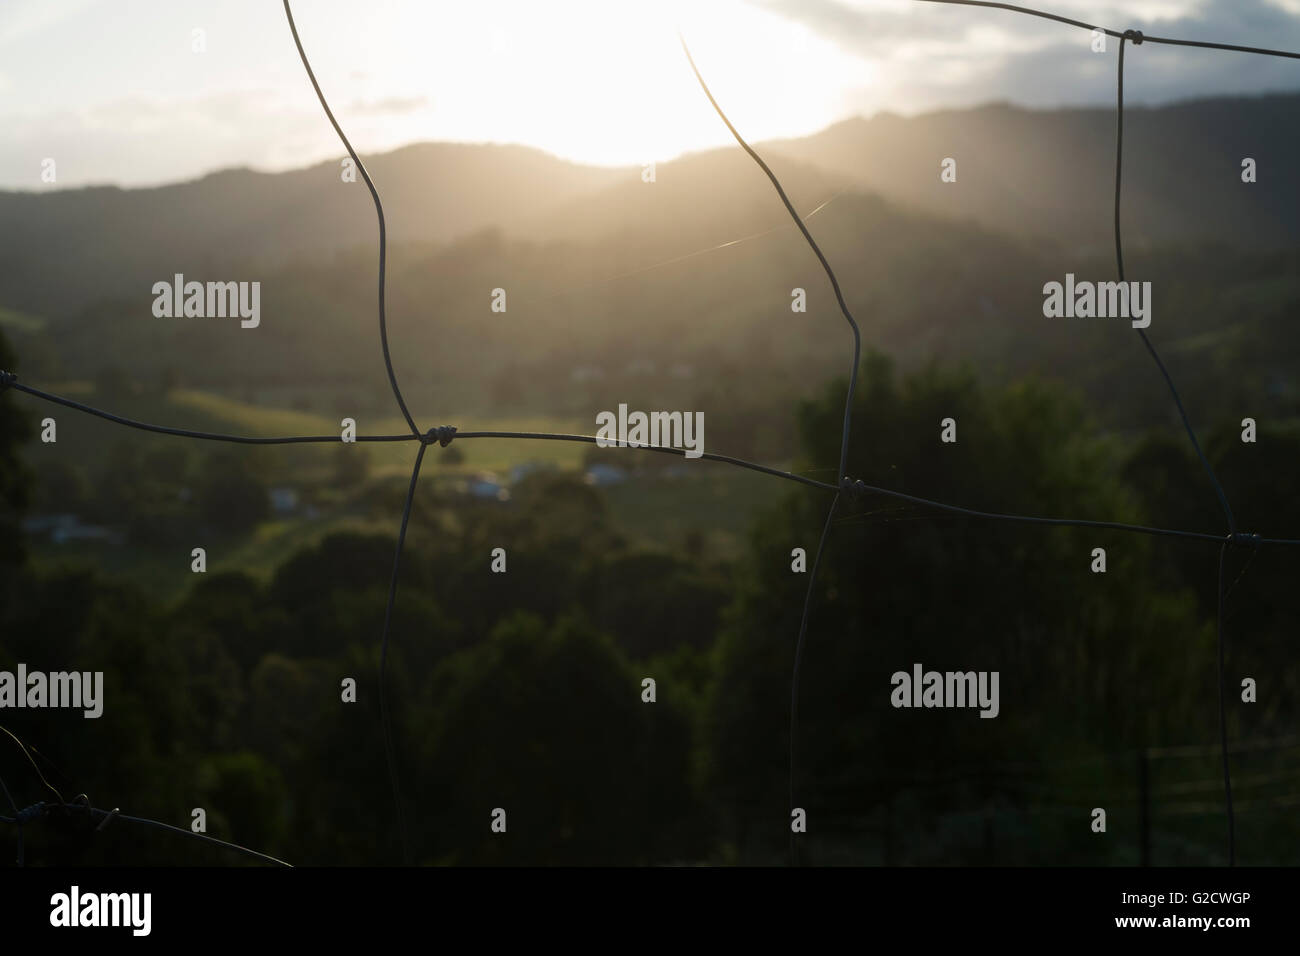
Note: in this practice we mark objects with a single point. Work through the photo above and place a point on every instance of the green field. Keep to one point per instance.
(709, 505)
(12, 321)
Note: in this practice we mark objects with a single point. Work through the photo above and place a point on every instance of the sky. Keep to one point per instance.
(115, 91)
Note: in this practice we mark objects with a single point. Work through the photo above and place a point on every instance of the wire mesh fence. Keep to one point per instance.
(845, 488)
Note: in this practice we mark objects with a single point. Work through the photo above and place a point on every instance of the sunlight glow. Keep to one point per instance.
(607, 82)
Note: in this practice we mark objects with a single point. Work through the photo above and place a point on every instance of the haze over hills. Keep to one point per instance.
(1052, 172)
(687, 280)
(65, 248)
(1028, 173)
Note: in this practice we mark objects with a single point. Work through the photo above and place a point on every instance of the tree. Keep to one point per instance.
(585, 770)
(1087, 662)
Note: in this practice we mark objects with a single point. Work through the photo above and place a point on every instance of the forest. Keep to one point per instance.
(524, 690)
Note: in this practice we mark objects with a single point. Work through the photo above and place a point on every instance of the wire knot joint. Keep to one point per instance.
(852, 488)
(1243, 539)
(6, 379)
(1134, 36)
(443, 435)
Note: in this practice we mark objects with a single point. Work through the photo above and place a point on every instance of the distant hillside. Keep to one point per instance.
(1052, 172)
(61, 250)
(1027, 173)
(659, 316)
(677, 293)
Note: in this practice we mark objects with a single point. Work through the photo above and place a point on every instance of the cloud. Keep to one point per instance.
(939, 54)
(389, 105)
(24, 19)
(870, 31)
(142, 139)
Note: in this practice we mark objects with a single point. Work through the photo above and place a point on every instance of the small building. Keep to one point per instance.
(63, 528)
(522, 470)
(284, 500)
(604, 475)
(485, 485)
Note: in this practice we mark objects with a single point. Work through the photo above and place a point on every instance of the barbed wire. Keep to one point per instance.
(845, 486)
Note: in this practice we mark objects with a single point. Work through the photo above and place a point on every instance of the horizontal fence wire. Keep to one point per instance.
(80, 808)
(844, 487)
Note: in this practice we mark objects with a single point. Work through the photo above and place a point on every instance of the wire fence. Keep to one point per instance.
(79, 807)
(844, 487)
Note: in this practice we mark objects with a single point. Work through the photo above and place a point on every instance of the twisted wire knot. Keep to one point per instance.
(1243, 539)
(853, 488)
(443, 435)
(6, 379)
(1134, 36)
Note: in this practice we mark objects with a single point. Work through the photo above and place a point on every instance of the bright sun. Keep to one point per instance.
(600, 81)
